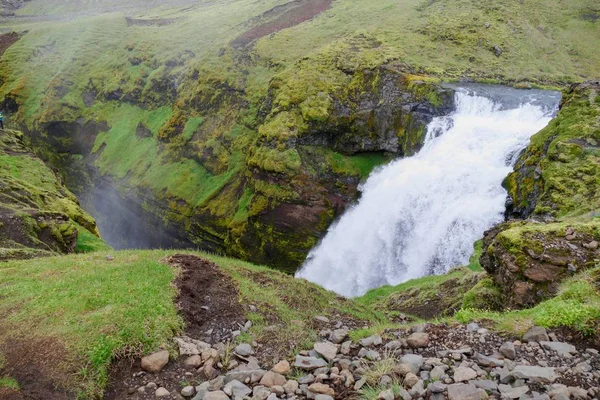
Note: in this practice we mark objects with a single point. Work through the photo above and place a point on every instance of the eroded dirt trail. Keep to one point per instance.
(208, 303)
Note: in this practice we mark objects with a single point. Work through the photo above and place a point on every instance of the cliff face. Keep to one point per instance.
(38, 215)
(556, 185)
(261, 185)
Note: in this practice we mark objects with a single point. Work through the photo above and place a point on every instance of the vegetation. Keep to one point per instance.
(193, 126)
(123, 305)
(40, 216)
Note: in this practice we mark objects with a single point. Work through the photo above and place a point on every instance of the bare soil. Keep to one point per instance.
(7, 40)
(208, 302)
(294, 13)
(35, 364)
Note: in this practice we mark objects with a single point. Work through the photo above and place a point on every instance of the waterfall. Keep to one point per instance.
(421, 215)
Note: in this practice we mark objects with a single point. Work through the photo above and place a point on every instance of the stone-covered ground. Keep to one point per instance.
(426, 361)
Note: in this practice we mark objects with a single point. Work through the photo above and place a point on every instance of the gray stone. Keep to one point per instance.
(161, 392)
(536, 334)
(488, 361)
(306, 380)
(486, 385)
(393, 345)
(415, 362)
(437, 387)
(374, 340)
(323, 397)
(327, 350)
(237, 389)
(472, 327)
(561, 348)
(462, 374)
(338, 336)
(321, 318)
(386, 395)
(462, 391)
(188, 391)
(418, 340)
(309, 363)
(437, 373)
(508, 350)
(244, 350)
(513, 392)
(534, 373)
(372, 355)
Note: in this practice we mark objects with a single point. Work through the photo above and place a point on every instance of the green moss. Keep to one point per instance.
(577, 306)
(273, 160)
(485, 295)
(559, 172)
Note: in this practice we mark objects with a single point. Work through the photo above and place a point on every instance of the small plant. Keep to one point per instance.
(376, 370)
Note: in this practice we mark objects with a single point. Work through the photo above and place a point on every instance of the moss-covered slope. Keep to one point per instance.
(38, 215)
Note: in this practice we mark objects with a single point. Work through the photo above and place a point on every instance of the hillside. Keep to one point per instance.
(245, 127)
(38, 214)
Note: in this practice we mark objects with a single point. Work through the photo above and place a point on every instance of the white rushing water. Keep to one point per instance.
(421, 215)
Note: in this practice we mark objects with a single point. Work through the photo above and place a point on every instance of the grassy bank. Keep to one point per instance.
(87, 309)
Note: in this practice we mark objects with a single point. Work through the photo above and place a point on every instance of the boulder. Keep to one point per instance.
(561, 348)
(418, 340)
(534, 374)
(216, 395)
(282, 367)
(536, 334)
(508, 350)
(271, 379)
(309, 363)
(461, 391)
(321, 388)
(462, 374)
(327, 349)
(155, 362)
(338, 336)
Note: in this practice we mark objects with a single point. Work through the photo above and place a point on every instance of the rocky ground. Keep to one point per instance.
(423, 362)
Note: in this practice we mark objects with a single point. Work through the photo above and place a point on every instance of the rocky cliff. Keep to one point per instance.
(38, 214)
(556, 186)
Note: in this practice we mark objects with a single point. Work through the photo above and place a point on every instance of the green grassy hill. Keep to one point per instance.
(243, 124)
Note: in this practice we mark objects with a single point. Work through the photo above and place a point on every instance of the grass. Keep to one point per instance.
(88, 242)
(9, 383)
(100, 309)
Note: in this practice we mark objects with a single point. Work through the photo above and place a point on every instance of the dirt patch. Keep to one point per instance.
(35, 365)
(208, 301)
(284, 16)
(7, 40)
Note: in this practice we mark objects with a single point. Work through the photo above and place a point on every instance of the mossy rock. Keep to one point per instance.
(38, 215)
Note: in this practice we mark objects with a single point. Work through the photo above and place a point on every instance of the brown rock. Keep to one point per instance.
(321, 388)
(418, 340)
(155, 362)
(193, 361)
(271, 379)
(282, 367)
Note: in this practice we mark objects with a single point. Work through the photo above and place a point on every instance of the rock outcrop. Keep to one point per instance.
(38, 215)
(556, 184)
